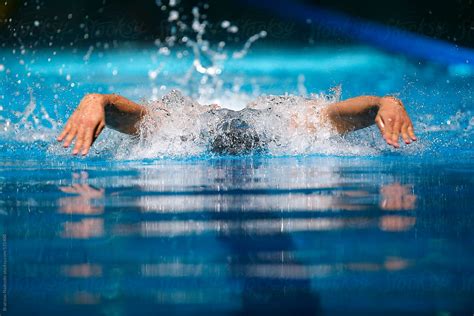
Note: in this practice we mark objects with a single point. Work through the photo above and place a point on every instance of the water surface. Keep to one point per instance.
(365, 228)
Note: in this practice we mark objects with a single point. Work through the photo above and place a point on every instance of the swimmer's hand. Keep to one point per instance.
(85, 124)
(393, 122)
(95, 112)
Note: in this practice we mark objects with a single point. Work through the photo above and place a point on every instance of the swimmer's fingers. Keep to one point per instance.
(385, 128)
(380, 124)
(408, 132)
(396, 132)
(71, 134)
(79, 140)
(99, 130)
(91, 136)
(65, 131)
(70, 124)
(88, 140)
(405, 136)
(411, 132)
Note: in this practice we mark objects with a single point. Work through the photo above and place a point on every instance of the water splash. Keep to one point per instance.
(244, 51)
(282, 125)
(203, 80)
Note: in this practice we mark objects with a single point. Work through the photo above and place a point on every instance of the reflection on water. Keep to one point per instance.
(82, 270)
(236, 236)
(84, 228)
(397, 197)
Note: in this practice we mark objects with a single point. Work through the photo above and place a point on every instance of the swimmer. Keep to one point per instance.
(234, 134)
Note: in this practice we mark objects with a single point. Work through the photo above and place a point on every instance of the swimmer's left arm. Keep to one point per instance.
(387, 112)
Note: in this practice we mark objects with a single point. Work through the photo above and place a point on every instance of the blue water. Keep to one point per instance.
(382, 232)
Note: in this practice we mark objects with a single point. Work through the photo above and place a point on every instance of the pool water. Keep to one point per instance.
(363, 228)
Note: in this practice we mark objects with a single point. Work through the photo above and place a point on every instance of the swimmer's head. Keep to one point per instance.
(235, 137)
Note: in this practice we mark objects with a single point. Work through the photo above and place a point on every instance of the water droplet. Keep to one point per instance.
(174, 15)
(225, 24)
(36, 23)
(164, 51)
(233, 29)
(152, 74)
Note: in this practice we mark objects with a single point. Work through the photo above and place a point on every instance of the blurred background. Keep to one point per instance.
(38, 23)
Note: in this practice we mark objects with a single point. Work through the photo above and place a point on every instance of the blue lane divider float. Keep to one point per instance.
(376, 34)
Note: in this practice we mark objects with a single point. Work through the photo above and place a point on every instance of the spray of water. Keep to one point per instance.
(204, 78)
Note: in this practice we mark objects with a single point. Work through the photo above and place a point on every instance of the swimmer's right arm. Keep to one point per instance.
(94, 113)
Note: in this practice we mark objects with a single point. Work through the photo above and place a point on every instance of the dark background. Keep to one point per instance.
(86, 22)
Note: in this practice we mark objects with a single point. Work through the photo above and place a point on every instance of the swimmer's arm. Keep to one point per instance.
(94, 113)
(388, 113)
(123, 115)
